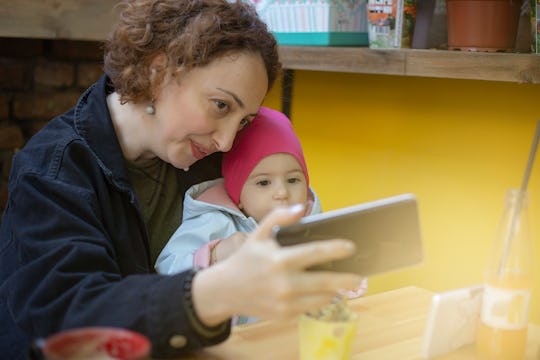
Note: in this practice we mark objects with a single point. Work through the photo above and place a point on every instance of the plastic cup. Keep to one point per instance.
(326, 339)
(96, 343)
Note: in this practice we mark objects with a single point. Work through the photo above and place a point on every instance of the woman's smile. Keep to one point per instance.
(199, 151)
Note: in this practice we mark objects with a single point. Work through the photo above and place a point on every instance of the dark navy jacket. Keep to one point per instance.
(73, 246)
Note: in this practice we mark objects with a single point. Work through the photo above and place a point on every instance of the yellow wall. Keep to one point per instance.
(457, 144)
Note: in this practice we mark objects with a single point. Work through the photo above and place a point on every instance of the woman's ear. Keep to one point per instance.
(158, 63)
(157, 74)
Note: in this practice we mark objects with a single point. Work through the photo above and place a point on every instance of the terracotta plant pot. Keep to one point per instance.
(482, 25)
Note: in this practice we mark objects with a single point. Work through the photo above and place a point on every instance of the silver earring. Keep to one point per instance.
(150, 109)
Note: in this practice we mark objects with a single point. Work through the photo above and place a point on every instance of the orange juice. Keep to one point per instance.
(502, 331)
(499, 344)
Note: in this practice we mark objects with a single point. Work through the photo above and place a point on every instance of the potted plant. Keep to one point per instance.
(482, 25)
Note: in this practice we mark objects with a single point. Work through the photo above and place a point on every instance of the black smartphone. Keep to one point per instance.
(386, 233)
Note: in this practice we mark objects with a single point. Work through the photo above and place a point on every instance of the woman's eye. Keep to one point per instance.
(220, 105)
(263, 183)
(293, 180)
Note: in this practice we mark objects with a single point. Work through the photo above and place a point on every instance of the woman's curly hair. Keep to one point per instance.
(191, 33)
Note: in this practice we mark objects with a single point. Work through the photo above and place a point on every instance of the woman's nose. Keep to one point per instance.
(224, 137)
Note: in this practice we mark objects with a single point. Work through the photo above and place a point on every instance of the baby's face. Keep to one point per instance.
(277, 180)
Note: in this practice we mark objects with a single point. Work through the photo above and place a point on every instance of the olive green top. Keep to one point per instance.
(160, 189)
(160, 200)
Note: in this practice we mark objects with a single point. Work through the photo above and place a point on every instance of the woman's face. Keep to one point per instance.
(277, 180)
(200, 111)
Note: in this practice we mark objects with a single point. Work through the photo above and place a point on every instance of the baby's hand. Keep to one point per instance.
(225, 247)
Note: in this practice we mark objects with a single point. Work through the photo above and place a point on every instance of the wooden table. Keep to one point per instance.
(391, 326)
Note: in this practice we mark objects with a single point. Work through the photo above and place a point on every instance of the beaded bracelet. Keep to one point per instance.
(188, 296)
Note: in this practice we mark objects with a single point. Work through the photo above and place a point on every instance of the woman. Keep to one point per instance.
(94, 196)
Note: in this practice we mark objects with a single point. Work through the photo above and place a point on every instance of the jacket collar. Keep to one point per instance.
(94, 124)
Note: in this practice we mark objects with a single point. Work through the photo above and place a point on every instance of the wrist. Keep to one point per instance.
(213, 251)
(208, 331)
(203, 256)
(205, 288)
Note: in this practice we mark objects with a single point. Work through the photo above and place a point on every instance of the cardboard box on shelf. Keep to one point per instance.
(391, 23)
(316, 22)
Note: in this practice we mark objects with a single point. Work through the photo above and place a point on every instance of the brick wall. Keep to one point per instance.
(39, 79)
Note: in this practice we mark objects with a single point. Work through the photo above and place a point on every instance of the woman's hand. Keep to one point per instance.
(265, 280)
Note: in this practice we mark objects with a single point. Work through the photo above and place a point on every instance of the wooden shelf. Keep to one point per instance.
(509, 67)
(57, 19)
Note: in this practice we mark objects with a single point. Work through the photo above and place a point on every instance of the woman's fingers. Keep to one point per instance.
(280, 216)
(304, 255)
(270, 281)
(311, 282)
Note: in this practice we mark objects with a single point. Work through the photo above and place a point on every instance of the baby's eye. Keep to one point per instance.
(263, 183)
(243, 124)
(294, 180)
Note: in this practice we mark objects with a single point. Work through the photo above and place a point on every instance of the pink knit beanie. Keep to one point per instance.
(269, 133)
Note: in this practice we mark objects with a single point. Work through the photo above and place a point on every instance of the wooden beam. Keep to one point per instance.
(510, 67)
(56, 19)
(343, 59)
